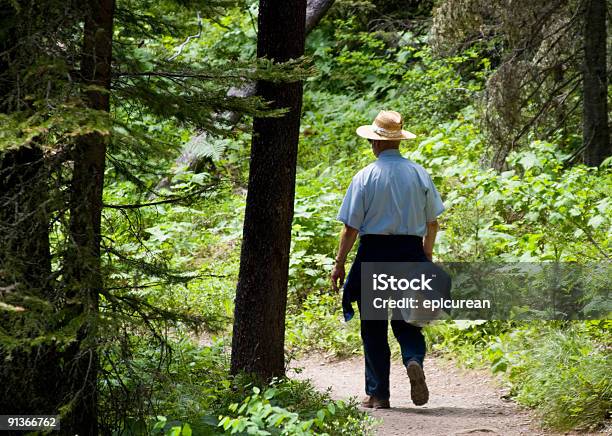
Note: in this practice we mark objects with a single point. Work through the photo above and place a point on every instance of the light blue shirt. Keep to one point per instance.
(391, 196)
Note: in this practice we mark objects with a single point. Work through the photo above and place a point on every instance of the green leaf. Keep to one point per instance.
(331, 408)
(321, 415)
(270, 393)
(596, 221)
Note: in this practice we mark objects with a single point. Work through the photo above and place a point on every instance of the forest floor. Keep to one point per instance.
(461, 402)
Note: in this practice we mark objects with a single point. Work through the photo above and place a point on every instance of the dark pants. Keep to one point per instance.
(378, 355)
(384, 248)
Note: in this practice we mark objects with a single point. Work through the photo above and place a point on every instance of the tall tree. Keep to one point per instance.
(83, 267)
(261, 294)
(32, 370)
(595, 130)
(24, 252)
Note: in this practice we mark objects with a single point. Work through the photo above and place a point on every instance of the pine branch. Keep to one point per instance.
(168, 200)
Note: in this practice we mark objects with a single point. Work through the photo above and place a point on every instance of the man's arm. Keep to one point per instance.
(348, 235)
(430, 238)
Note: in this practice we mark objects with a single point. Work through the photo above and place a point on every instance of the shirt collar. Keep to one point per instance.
(391, 152)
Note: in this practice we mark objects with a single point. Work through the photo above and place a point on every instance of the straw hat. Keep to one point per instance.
(387, 126)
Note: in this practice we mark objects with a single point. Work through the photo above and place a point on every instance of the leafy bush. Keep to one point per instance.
(259, 413)
(562, 369)
(193, 393)
(564, 374)
(318, 325)
(467, 341)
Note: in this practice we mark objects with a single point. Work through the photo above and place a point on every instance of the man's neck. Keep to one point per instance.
(389, 152)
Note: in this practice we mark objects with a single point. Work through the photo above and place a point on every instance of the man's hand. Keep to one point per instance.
(347, 239)
(430, 239)
(337, 276)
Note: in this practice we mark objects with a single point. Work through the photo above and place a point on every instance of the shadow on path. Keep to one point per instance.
(447, 411)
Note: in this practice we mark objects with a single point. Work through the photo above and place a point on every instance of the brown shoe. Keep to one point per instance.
(418, 388)
(372, 402)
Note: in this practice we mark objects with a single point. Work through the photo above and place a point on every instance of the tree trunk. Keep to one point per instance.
(24, 254)
(261, 295)
(30, 376)
(83, 263)
(595, 134)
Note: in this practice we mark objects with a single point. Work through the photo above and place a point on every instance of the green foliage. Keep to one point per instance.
(52, 128)
(313, 233)
(468, 341)
(533, 68)
(317, 324)
(258, 414)
(563, 373)
(364, 69)
(194, 394)
(541, 208)
(560, 369)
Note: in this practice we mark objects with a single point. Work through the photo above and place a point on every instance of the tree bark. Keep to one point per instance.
(595, 134)
(30, 375)
(83, 263)
(261, 295)
(24, 253)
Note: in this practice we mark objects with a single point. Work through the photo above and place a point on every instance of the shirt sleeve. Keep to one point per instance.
(352, 211)
(433, 202)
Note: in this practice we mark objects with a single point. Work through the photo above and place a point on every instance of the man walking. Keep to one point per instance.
(393, 205)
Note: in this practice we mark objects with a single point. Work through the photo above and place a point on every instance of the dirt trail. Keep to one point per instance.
(461, 403)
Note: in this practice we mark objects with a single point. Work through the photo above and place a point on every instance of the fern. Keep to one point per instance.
(203, 146)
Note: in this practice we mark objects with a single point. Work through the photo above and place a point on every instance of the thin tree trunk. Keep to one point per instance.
(596, 134)
(261, 295)
(83, 264)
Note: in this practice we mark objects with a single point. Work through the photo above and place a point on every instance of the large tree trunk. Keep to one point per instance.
(83, 263)
(24, 253)
(30, 375)
(261, 295)
(596, 134)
